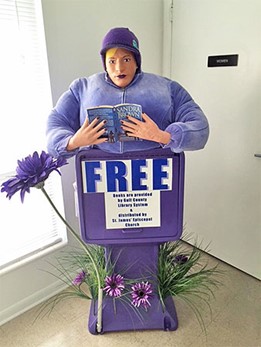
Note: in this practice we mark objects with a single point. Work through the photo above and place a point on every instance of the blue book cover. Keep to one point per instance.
(113, 116)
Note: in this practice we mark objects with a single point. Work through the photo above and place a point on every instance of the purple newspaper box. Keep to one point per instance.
(135, 197)
(131, 203)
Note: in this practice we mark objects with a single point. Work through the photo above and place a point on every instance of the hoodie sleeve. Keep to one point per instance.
(189, 129)
(63, 122)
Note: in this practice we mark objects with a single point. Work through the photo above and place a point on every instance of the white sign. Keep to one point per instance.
(131, 189)
(127, 175)
(132, 209)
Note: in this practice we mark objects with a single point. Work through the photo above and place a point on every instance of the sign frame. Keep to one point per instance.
(92, 209)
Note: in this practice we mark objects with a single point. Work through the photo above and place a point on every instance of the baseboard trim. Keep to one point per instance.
(31, 301)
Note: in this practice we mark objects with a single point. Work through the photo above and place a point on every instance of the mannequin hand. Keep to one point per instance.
(87, 135)
(147, 130)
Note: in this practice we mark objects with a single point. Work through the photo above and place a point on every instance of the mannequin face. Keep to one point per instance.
(121, 66)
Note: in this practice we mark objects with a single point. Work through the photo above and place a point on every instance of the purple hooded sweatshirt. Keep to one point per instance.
(165, 101)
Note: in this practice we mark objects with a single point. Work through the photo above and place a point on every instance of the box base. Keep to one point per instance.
(118, 315)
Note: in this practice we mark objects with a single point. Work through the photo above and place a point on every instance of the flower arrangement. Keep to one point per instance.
(91, 276)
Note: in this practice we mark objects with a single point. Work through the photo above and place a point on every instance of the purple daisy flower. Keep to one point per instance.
(141, 293)
(114, 285)
(180, 259)
(31, 171)
(80, 277)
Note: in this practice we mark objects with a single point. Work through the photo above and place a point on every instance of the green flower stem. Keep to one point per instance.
(100, 290)
(99, 312)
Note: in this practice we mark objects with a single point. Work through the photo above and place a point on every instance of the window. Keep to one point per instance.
(25, 229)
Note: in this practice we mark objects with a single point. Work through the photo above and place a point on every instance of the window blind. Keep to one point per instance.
(28, 228)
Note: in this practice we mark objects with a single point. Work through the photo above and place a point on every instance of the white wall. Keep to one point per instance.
(74, 30)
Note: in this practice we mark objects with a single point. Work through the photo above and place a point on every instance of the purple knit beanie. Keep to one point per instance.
(122, 38)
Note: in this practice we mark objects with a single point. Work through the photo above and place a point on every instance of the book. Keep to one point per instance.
(113, 116)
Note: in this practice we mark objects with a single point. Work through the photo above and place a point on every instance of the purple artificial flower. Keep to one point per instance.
(180, 259)
(141, 293)
(31, 171)
(80, 277)
(114, 285)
